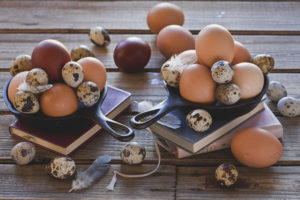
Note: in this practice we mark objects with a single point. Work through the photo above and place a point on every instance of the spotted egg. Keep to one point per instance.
(133, 153)
(200, 120)
(26, 102)
(226, 174)
(170, 74)
(99, 36)
(88, 93)
(23, 153)
(81, 52)
(228, 94)
(20, 64)
(265, 62)
(37, 77)
(276, 91)
(61, 167)
(222, 72)
(72, 74)
(289, 106)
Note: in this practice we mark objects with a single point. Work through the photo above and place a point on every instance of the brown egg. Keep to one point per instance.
(197, 85)
(256, 147)
(174, 39)
(214, 43)
(59, 101)
(164, 14)
(249, 78)
(94, 71)
(241, 53)
(14, 84)
(50, 55)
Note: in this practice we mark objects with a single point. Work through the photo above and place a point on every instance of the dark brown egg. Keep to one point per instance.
(50, 55)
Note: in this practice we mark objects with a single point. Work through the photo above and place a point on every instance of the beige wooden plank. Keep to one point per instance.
(248, 15)
(284, 49)
(32, 182)
(269, 183)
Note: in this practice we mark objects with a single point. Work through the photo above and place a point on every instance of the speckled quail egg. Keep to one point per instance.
(26, 102)
(37, 77)
(99, 36)
(199, 120)
(23, 153)
(276, 91)
(228, 94)
(170, 74)
(81, 52)
(20, 64)
(72, 74)
(226, 174)
(61, 167)
(265, 62)
(133, 153)
(88, 93)
(289, 106)
(222, 72)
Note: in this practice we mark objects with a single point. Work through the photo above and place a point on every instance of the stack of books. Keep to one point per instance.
(183, 141)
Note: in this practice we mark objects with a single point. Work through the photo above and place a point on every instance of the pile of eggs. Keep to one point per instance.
(50, 81)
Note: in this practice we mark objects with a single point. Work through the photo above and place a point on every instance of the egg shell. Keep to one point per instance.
(62, 167)
(59, 101)
(88, 93)
(37, 77)
(214, 43)
(222, 72)
(171, 75)
(133, 153)
(50, 55)
(276, 91)
(241, 54)
(289, 106)
(26, 102)
(20, 64)
(23, 153)
(249, 78)
(226, 174)
(81, 52)
(196, 84)
(228, 94)
(265, 62)
(174, 39)
(94, 71)
(164, 14)
(72, 74)
(199, 120)
(99, 36)
(256, 147)
(14, 84)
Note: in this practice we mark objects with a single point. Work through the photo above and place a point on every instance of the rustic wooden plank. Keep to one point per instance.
(269, 183)
(32, 182)
(248, 15)
(284, 49)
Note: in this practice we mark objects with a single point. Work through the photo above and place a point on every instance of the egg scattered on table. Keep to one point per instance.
(88, 93)
(228, 94)
(222, 72)
(26, 102)
(72, 74)
(164, 14)
(37, 77)
(200, 120)
(133, 153)
(289, 106)
(265, 62)
(99, 36)
(20, 64)
(62, 167)
(226, 174)
(23, 153)
(276, 91)
(81, 52)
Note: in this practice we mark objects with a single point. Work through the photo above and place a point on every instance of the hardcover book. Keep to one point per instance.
(66, 139)
(192, 141)
(264, 119)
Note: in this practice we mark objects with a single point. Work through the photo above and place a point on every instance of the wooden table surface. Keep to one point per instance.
(271, 27)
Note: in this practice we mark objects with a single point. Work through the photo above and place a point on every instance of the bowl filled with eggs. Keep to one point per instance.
(217, 75)
(48, 89)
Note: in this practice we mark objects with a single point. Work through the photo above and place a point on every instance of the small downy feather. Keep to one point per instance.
(96, 171)
(34, 89)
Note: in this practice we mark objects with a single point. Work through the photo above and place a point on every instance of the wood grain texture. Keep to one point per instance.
(32, 182)
(284, 49)
(269, 183)
(76, 15)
